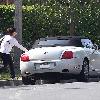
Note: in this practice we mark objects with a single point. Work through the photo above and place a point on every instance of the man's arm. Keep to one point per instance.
(20, 46)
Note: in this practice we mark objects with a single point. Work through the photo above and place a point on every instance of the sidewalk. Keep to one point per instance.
(10, 82)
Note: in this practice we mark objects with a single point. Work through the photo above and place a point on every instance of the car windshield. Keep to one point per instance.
(58, 42)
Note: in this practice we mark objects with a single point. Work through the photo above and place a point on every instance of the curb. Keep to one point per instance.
(19, 82)
(10, 83)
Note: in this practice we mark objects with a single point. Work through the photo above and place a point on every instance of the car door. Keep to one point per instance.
(95, 60)
(93, 53)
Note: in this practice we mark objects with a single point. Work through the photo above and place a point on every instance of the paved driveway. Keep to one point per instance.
(66, 91)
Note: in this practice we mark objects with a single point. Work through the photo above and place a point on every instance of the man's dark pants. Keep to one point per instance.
(7, 60)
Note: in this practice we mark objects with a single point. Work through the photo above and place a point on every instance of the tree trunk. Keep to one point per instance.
(18, 26)
(72, 29)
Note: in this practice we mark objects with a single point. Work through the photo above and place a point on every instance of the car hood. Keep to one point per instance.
(49, 53)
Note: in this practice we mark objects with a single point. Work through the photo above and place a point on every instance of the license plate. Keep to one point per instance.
(44, 65)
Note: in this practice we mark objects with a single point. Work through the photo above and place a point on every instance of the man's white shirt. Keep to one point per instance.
(7, 44)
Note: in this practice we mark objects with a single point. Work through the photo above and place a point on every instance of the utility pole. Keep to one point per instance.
(18, 26)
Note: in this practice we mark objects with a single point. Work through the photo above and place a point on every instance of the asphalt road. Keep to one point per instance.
(58, 91)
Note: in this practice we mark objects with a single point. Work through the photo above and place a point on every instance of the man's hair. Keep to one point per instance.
(11, 30)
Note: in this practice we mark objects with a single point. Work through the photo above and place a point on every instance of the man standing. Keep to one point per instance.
(8, 41)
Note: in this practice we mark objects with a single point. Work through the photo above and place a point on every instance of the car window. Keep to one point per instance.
(54, 42)
(58, 42)
(49, 43)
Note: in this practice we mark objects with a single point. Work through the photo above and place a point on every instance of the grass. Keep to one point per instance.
(5, 75)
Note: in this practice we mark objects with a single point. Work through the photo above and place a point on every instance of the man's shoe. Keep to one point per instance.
(14, 78)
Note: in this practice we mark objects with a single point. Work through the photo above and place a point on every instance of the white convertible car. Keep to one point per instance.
(55, 58)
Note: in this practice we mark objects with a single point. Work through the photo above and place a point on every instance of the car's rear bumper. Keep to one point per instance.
(60, 66)
(53, 75)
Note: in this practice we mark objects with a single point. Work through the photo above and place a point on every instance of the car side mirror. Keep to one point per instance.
(95, 46)
(98, 46)
(89, 45)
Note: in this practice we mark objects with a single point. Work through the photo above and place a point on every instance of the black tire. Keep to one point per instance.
(53, 81)
(84, 74)
(28, 80)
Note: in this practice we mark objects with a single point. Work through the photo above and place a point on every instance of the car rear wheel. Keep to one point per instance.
(28, 80)
(84, 75)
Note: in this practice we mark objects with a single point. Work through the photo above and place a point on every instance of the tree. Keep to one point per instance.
(18, 26)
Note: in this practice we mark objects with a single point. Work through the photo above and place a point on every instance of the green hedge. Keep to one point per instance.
(52, 18)
(38, 21)
(45, 20)
(6, 16)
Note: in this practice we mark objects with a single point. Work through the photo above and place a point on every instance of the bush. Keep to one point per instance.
(6, 16)
(53, 18)
(38, 20)
(44, 20)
